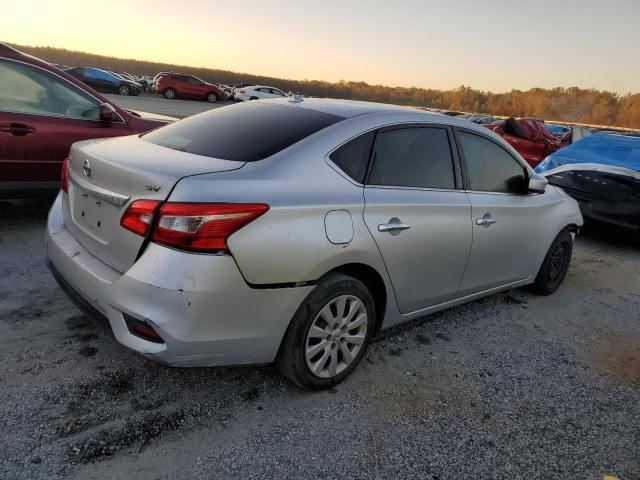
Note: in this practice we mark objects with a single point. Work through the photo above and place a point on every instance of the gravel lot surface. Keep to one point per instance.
(153, 103)
(514, 386)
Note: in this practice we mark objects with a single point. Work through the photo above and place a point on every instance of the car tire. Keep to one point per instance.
(170, 94)
(212, 98)
(124, 90)
(253, 98)
(312, 360)
(555, 264)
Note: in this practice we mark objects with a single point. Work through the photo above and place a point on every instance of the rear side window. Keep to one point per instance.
(245, 132)
(353, 156)
(491, 168)
(413, 157)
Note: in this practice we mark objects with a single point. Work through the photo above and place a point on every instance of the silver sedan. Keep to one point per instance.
(292, 231)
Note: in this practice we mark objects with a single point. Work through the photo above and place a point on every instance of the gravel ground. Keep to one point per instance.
(154, 103)
(514, 386)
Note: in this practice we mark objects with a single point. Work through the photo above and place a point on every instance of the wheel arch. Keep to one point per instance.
(373, 281)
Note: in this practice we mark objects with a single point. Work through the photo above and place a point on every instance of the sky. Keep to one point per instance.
(493, 45)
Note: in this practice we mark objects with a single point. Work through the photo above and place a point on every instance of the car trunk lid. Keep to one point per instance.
(106, 176)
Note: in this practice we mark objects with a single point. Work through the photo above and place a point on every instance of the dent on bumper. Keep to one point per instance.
(200, 304)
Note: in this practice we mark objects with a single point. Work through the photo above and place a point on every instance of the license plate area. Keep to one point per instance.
(89, 210)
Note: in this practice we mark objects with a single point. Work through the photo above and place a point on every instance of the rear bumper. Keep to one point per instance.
(199, 304)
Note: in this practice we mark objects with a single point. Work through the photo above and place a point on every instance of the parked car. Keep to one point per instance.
(480, 119)
(154, 81)
(297, 243)
(104, 81)
(138, 79)
(602, 172)
(179, 85)
(256, 92)
(530, 137)
(43, 110)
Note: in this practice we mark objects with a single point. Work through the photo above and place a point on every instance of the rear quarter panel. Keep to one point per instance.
(289, 243)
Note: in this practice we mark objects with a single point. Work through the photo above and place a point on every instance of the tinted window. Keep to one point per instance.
(353, 156)
(246, 132)
(413, 157)
(491, 168)
(92, 73)
(27, 89)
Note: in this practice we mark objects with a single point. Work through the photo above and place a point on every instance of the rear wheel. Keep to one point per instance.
(170, 93)
(555, 264)
(212, 98)
(253, 98)
(329, 333)
(124, 90)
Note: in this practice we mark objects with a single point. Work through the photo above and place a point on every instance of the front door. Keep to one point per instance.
(508, 237)
(419, 219)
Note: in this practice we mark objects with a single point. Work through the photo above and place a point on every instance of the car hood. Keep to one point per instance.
(153, 116)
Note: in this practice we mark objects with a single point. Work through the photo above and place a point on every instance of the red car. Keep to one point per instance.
(179, 85)
(43, 110)
(530, 137)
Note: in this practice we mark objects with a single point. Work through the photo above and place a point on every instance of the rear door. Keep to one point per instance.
(41, 115)
(418, 213)
(508, 231)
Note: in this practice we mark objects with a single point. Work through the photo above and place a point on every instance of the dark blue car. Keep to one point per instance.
(105, 82)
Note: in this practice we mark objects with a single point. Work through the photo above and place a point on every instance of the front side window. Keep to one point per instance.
(413, 157)
(353, 156)
(491, 168)
(28, 89)
(194, 81)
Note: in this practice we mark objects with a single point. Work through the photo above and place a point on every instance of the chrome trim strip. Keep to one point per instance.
(108, 196)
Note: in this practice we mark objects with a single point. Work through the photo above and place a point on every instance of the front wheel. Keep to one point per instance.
(555, 264)
(124, 90)
(329, 333)
(170, 93)
(212, 98)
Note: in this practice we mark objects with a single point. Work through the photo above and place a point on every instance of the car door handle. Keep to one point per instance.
(486, 221)
(17, 129)
(393, 227)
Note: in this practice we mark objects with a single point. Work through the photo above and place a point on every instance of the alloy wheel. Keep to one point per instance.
(336, 336)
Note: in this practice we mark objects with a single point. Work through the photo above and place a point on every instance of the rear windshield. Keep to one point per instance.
(245, 132)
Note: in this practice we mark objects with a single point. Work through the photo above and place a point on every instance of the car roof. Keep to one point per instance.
(353, 108)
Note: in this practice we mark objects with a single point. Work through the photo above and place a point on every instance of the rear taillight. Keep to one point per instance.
(64, 176)
(202, 227)
(196, 227)
(139, 216)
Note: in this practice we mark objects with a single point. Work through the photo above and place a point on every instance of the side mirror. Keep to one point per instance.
(537, 183)
(107, 112)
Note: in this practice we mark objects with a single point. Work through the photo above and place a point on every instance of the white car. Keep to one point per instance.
(256, 92)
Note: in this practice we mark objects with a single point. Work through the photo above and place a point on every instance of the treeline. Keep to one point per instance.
(563, 104)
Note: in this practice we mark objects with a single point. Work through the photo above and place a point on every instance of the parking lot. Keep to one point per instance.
(512, 386)
(156, 104)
